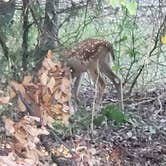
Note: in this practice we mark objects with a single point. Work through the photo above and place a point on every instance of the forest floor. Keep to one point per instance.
(140, 143)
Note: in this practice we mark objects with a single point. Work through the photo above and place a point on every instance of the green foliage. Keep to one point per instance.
(132, 39)
(123, 39)
(133, 53)
(82, 118)
(114, 3)
(112, 112)
(131, 6)
(32, 37)
(115, 68)
(98, 120)
(59, 127)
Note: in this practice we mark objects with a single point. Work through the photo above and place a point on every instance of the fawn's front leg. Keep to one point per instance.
(76, 88)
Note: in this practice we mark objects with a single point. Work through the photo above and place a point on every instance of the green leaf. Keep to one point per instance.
(113, 113)
(137, 53)
(124, 38)
(123, 2)
(132, 7)
(99, 120)
(114, 3)
(115, 67)
(131, 52)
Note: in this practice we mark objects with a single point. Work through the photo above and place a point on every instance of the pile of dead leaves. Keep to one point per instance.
(48, 97)
(24, 149)
(43, 100)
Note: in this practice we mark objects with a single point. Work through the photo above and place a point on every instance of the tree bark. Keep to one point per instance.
(7, 10)
(4, 48)
(25, 34)
(49, 36)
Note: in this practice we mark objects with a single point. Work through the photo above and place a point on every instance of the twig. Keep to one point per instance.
(149, 100)
(5, 49)
(150, 54)
(95, 97)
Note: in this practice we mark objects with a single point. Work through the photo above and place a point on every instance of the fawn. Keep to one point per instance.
(93, 56)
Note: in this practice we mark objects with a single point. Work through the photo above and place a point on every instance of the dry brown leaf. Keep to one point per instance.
(34, 131)
(57, 109)
(57, 84)
(43, 79)
(50, 54)
(57, 113)
(62, 151)
(66, 108)
(51, 84)
(48, 64)
(9, 126)
(18, 87)
(47, 99)
(13, 160)
(66, 82)
(64, 98)
(4, 100)
(12, 94)
(48, 120)
(31, 118)
(57, 95)
(37, 95)
(63, 88)
(65, 118)
(41, 71)
(33, 154)
(21, 137)
(115, 156)
(21, 106)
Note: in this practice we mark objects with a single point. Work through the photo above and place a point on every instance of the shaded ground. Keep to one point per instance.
(142, 143)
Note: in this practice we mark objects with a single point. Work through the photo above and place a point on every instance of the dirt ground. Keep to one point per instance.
(142, 143)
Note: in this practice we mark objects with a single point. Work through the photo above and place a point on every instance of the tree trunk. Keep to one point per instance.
(25, 34)
(7, 10)
(49, 36)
